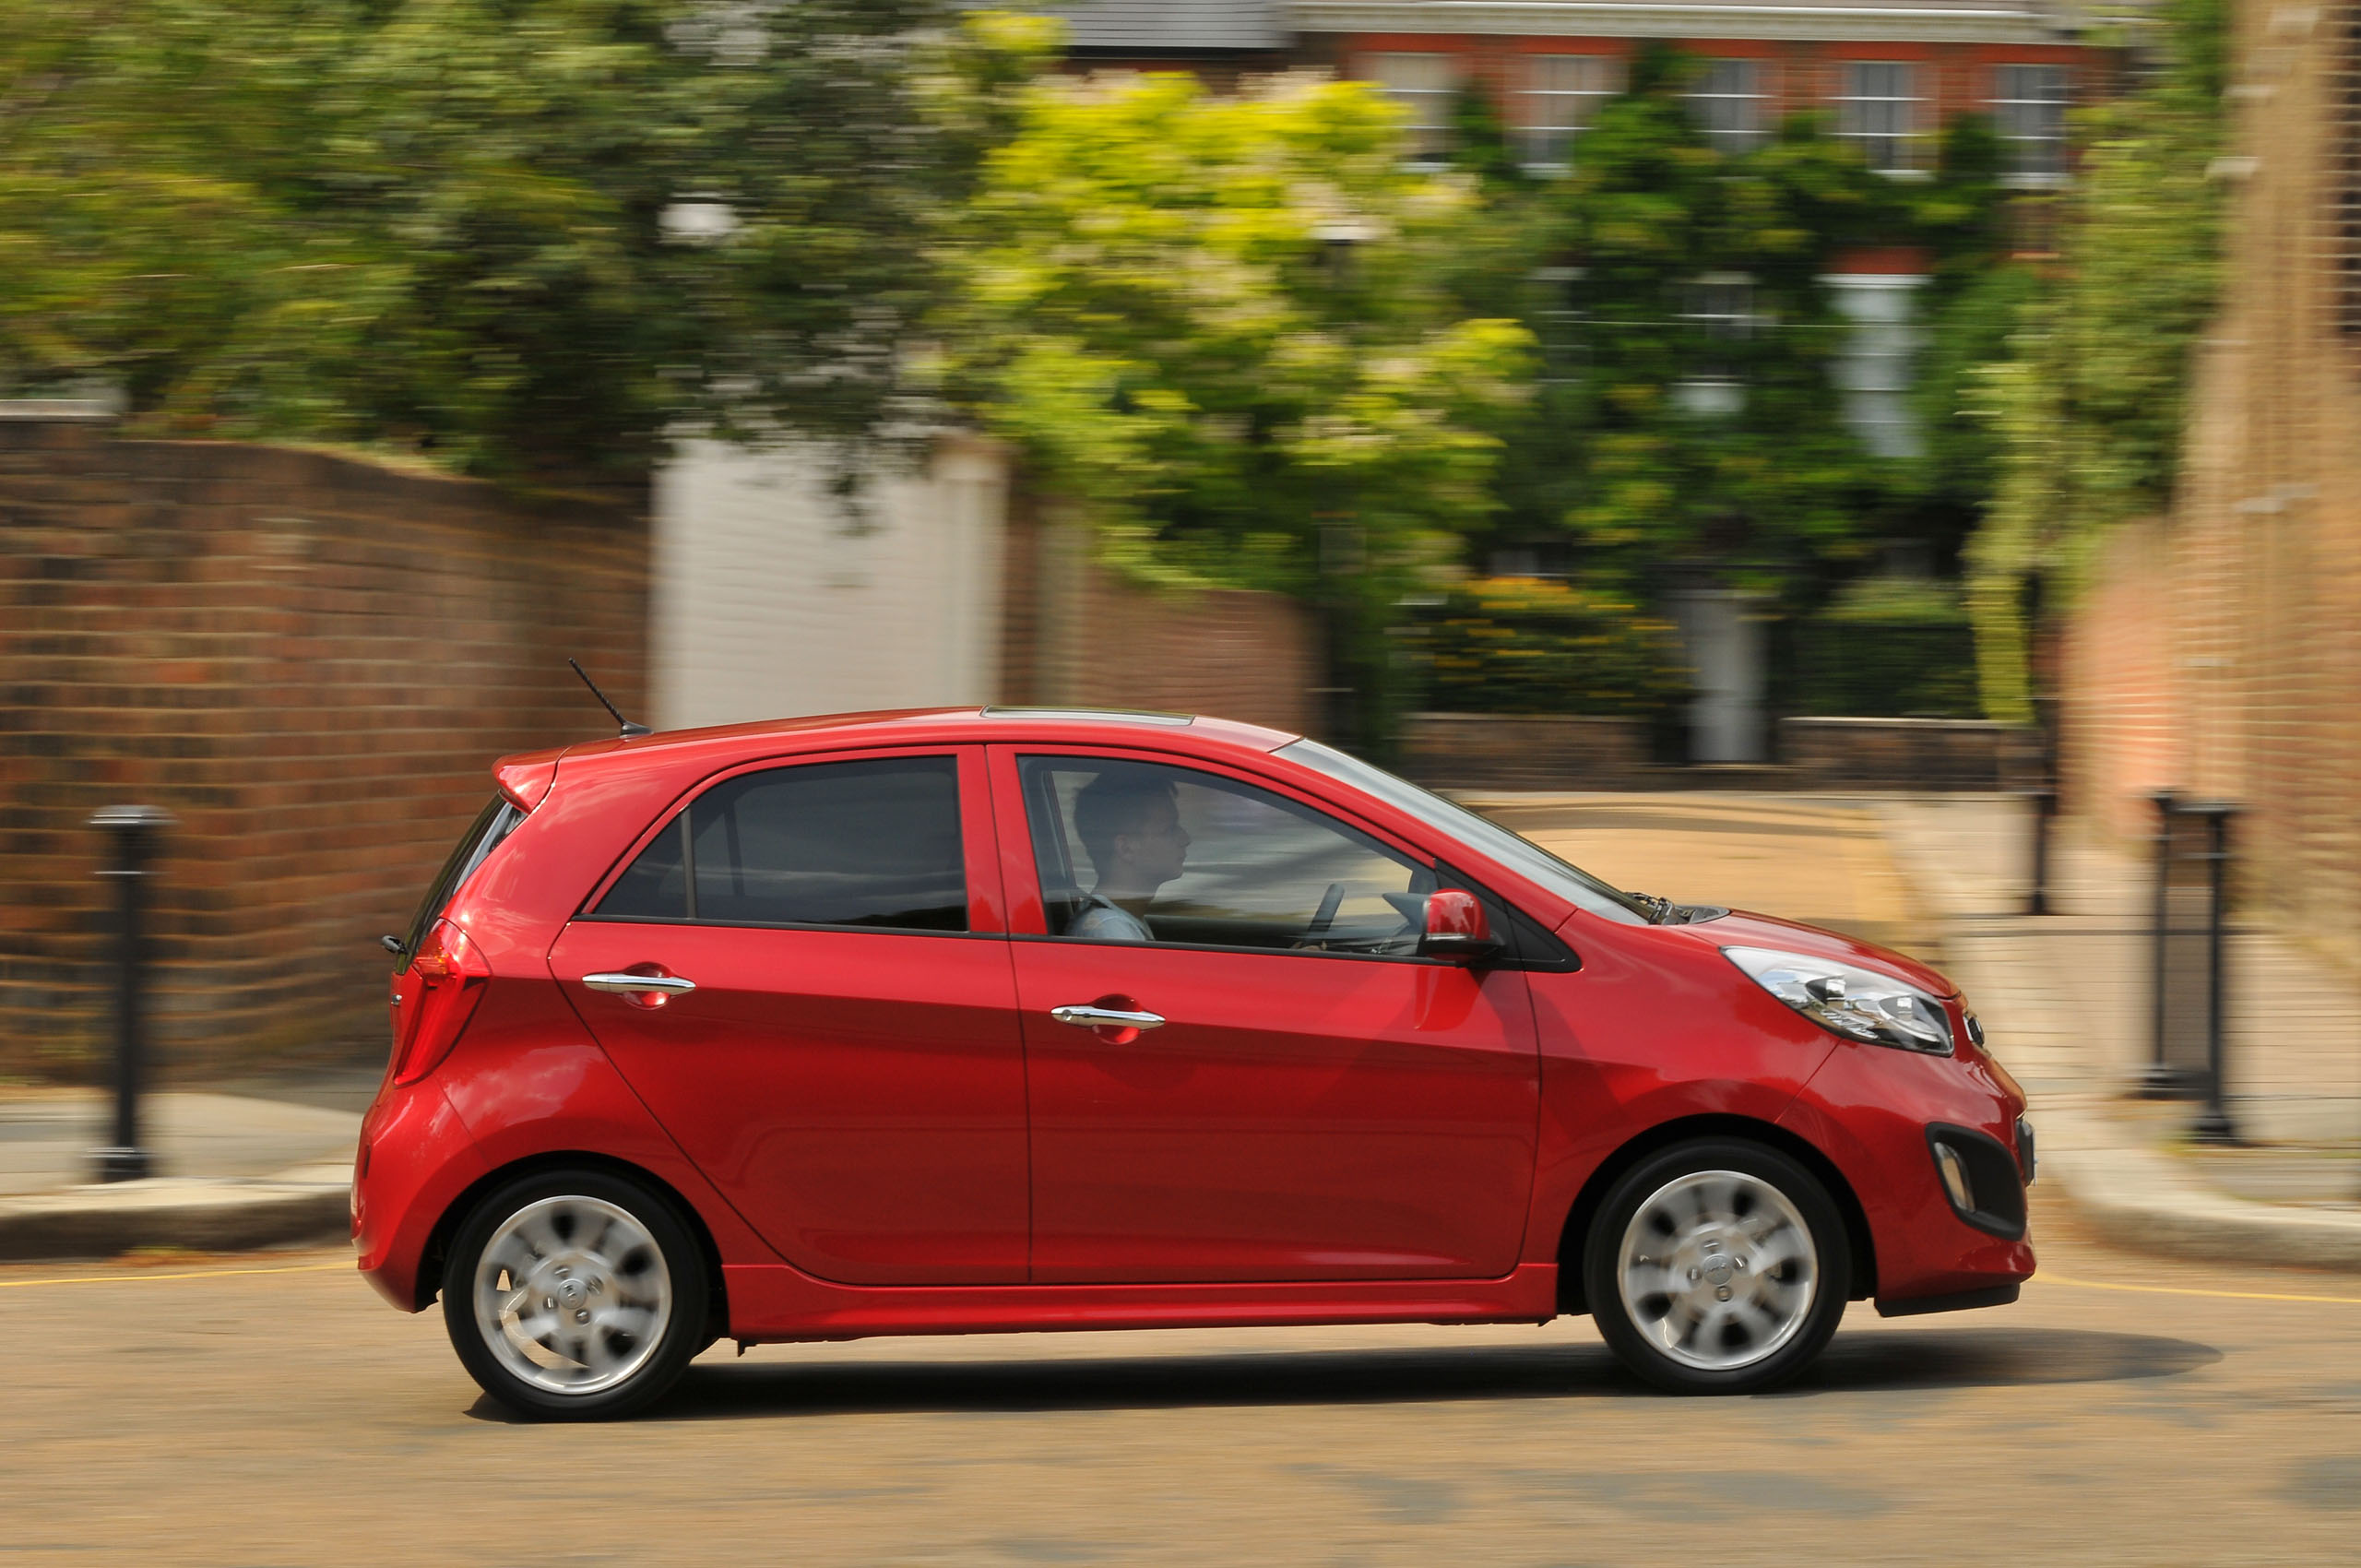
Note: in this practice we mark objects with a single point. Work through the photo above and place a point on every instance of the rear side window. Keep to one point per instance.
(491, 824)
(832, 844)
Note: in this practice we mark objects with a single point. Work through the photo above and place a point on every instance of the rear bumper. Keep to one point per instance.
(1957, 1301)
(416, 1157)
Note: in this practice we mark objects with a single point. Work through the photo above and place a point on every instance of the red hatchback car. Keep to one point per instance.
(956, 1021)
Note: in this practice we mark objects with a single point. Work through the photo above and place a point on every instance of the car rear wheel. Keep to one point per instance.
(574, 1295)
(1718, 1267)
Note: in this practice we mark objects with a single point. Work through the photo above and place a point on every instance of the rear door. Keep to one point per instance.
(846, 1068)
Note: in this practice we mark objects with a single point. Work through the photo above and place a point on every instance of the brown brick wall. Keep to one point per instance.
(2221, 652)
(1074, 634)
(311, 662)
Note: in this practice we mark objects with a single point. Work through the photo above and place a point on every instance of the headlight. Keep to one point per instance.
(1858, 1004)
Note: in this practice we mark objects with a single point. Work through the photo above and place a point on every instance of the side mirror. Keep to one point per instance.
(1457, 928)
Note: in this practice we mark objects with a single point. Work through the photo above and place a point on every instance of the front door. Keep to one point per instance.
(847, 1069)
(1317, 1102)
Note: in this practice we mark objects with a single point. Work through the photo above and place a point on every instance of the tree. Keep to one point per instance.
(456, 226)
(1688, 420)
(2086, 406)
(1217, 327)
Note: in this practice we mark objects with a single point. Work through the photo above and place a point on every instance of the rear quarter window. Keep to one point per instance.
(491, 824)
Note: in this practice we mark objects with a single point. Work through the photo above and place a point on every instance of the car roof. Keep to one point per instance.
(720, 744)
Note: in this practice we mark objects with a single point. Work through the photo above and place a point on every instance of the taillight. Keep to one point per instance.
(451, 976)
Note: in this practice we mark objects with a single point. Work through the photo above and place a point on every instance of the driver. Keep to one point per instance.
(1131, 825)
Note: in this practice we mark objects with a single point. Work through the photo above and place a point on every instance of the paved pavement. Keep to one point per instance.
(231, 1169)
(178, 1415)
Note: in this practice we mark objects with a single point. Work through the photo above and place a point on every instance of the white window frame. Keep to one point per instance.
(1879, 367)
(1552, 116)
(1889, 126)
(2029, 102)
(1427, 103)
(1736, 86)
(1724, 305)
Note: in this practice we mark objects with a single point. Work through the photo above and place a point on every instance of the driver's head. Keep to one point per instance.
(1131, 824)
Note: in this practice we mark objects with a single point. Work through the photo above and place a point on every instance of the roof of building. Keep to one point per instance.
(1173, 26)
(2015, 21)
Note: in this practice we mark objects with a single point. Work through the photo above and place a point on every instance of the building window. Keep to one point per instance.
(1879, 110)
(1875, 371)
(1423, 85)
(1562, 320)
(1720, 305)
(2029, 113)
(1729, 103)
(1563, 95)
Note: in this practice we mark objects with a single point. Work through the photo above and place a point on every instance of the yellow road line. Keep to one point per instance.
(2045, 1277)
(207, 1274)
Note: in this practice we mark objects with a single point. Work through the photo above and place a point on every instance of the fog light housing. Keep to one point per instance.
(1956, 1182)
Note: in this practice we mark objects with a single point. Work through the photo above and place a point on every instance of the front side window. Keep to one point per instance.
(1879, 110)
(1138, 851)
(871, 843)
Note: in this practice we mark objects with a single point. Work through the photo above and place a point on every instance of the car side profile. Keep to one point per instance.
(960, 1021)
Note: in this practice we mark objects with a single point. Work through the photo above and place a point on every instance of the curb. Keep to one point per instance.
(304, 1202)
(2143, 1201)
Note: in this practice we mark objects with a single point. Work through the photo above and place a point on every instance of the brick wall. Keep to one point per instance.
(2220, 652)
(311, 662)
(1074, 634)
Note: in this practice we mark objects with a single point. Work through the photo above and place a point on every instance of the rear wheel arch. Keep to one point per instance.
(438, 1241)
(1572, 1235)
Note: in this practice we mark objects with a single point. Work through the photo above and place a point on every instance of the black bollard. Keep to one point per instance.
(135, 829)
(2214, 1125)
(2044, 797)
(2161, 1081)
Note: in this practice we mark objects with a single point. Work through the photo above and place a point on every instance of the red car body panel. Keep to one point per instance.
(896, 1139)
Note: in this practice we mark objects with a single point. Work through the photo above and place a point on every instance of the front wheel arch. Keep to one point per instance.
(1575, 1233)
(438, 1242)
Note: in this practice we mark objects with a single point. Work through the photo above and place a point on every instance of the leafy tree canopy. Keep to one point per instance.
(2087, 408)
(527, 239)
(1690, 421)
(1217, 324)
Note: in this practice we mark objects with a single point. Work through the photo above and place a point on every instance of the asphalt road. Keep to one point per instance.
(209, 1411)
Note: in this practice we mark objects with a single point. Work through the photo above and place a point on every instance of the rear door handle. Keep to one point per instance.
(1087, 1017)
(630, 985)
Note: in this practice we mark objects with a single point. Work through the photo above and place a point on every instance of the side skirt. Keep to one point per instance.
(772, 1303)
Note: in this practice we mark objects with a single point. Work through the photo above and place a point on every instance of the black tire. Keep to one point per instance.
(649, 1256)
(1690, 1342)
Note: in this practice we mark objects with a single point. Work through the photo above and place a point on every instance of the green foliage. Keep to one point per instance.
(1888, 647)
(1216, 327)
(1753, 475)
(2086, 411)
(1521, 645)
(440, 225)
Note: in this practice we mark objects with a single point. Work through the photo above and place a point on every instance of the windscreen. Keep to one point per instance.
(1488, 838)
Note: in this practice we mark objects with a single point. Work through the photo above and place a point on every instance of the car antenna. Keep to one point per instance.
(630, 729)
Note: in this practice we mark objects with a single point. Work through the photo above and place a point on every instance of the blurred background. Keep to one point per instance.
(1820, 451)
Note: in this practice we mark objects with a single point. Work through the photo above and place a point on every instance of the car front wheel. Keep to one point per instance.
(574, 1295)
(1718, 1267)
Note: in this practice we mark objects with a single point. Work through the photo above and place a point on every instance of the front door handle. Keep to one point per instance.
(639, 985)
(1095, 1017)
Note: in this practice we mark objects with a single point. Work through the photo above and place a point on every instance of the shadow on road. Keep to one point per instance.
(1888, 1360)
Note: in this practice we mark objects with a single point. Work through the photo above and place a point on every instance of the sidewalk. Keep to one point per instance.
(233, 1170)
(2064, 998)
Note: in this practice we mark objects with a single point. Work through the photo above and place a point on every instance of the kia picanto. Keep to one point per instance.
(953, 1022)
